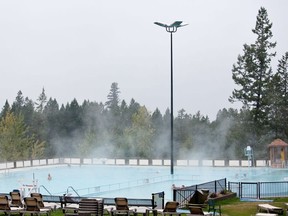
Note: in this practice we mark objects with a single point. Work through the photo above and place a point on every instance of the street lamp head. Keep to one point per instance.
(161, 24)
(178, 24)
(173, 27)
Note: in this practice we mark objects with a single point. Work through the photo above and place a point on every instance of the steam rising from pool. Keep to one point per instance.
(202, 146)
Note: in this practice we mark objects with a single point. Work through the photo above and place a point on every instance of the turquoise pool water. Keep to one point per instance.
(129, 181)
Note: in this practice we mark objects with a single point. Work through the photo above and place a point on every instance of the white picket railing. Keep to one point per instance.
(130, 162)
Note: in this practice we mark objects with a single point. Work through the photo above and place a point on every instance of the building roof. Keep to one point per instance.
(277, 143)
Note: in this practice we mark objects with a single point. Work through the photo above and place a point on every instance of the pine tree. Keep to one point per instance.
(113, 98)
(278, 113)
(42, 100)
(6, 108)
(18, 103)
(252, 72)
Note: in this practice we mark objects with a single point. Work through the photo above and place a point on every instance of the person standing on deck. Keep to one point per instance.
(282, 157)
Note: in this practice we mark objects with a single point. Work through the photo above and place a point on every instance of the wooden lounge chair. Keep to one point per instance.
(32, 207)
(122, 208)
(269, 209)
(170, 208)
(16, 199)
(197, 211)
(121, 203)
(88, 207)
(6, 208)
(38, 196)
(71, 204)
(199, 198)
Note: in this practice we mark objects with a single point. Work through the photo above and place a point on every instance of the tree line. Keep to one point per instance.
(117, 129)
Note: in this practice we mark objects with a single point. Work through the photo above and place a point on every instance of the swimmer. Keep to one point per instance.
(49, 177)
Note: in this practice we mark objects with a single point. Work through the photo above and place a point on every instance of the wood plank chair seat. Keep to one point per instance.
(39, 197)
(32, 207)
(269, 209)
(16, 199)
(88, 207)
(6, 208)
(122, 208)
(170, 208)
(198, 211)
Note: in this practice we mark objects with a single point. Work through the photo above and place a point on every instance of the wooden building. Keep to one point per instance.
(278, 153)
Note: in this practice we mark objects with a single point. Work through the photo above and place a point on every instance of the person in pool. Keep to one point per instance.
(49, 177)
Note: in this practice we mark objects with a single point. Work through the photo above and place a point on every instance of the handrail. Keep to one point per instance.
(73, 190)
(102, 189)
(122, 185)
(45, 189)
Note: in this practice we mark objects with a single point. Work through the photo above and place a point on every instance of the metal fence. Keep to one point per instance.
(183, 195)
(259, 190)
(251, 190)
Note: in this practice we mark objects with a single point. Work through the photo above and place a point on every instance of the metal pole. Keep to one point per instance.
(171, 29)
(172, 146)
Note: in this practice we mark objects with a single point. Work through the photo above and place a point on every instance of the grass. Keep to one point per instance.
(231, 207)
(235, 207)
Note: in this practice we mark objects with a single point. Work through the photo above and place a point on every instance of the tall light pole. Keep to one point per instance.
(171, 29)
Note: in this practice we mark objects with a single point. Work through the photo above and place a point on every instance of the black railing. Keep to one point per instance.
(259, 190)
(184, 194)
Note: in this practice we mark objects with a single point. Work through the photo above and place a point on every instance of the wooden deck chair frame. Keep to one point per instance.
(6, 208)
(122, 208)
(42, 204)
(32, 207)
(121, 203)
(269, 209)
(170, 208)
(16, 199)
(39, 198)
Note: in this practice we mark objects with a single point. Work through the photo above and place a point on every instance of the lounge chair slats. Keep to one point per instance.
(42, 204)
(6, 208)
(269, 209)
(170, 208)
(87, 207)
(122, 207)
(16, 200)
(32, 207)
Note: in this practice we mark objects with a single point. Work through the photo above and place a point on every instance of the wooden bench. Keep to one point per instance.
(266, 214)
(267, 208)
(87, 207)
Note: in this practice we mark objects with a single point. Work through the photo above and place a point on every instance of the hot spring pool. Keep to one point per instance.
(128, 181)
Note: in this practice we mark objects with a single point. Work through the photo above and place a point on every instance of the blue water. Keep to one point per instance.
(129, 181)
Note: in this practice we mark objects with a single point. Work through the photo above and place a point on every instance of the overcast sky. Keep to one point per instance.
(78, 48)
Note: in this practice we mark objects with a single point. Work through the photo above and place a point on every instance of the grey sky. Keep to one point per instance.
(76, 49)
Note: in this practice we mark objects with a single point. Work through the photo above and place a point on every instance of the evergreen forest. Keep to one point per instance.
(126, 129)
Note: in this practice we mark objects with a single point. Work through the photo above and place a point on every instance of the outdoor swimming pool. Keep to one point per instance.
(128, 181)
